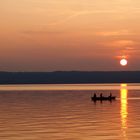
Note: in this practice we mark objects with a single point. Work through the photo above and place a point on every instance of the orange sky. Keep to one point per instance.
(48, 35)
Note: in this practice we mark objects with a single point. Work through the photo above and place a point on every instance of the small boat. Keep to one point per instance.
(103, 98)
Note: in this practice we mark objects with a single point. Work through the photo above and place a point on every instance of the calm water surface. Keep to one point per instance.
(65, 112)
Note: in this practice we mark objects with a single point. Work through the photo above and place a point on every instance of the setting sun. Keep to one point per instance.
(123, 62)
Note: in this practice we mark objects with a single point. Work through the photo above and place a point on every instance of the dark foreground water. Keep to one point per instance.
(37, 113)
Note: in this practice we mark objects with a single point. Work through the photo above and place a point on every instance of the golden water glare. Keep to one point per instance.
(124, 110)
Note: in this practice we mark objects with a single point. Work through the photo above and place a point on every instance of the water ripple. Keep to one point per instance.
(67, 116)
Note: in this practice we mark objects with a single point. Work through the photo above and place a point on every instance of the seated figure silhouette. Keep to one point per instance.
(110, 96)
(101, 96)
(94, 96)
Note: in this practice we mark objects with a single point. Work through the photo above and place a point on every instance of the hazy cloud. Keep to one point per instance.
(41, 32)
(120, 43)
(113, 33)
(120, 11)
(75, 14)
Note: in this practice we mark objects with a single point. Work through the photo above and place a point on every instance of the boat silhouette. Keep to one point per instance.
(109, 98)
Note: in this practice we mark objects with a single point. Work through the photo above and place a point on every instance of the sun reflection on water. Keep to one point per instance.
(124, 111)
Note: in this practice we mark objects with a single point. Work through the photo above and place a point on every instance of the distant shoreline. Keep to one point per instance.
(69, 77)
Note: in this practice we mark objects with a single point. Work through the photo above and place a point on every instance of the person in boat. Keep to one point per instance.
(94, 96)
(110, 96)
(101, 95)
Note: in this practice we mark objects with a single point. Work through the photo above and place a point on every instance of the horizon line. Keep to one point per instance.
(68, 71)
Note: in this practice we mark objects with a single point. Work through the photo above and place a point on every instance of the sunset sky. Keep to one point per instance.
(86, 35)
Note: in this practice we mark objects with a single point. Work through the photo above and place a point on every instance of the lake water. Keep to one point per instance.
(66, 112)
